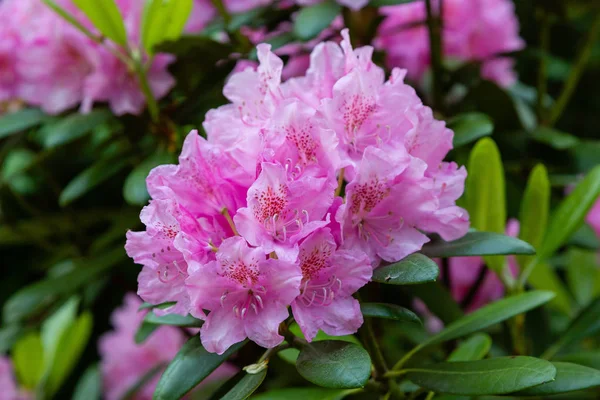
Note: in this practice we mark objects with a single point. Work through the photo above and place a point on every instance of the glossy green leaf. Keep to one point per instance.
(186, 321)
(533, 216)
(189, 367)
(388, 311)
(19, 121)
(164, 20)
(245, 385)
(469, 127)
(334, 364)
(415, 268)
(490, 314)
(305, 393)
(486, 194)
(89, 178)
(134, 190)
(474, 348)
(70, 348)
(313, 19)
(570, 214)
(28, 360)
(34, 298)
(477, 243)
(583, 275)
(89, 385)
(484, 377)
(587, 323)
(590, 358)
(106, 18)
(554, 138)
(569, 377)
(71, 127)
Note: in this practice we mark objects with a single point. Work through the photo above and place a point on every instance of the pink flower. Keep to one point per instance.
(124, 362)
(280, 211)
(593, 217)
(246, 293)
(477, 30)
(8, 383)
(329, 278)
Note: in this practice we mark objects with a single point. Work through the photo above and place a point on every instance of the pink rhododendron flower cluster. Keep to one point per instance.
(473, 30)
(300, 189)
(124, 362)
(8, 385)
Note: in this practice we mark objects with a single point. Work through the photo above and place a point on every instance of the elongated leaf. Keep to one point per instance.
(388, 311)
(106, 18)
(477, 243)
(304, 393)
(569, 377)
(554, 138)
(245, 386)
(33, 298)
(72, 127)
(486, 194)
(533, 215)
(570, 213)
(474, 348)
(484, 377)
(469, 127)
(334, 364)
(414, 269)
(89, 386)
(173, 319)
(544, 278)
(312, 20)
(20, 120)
(189, 367)
(28, 360)
(164, 20)
(582, 275)
(491, 314)
(134, 190)
(586, 358)
(90, 178)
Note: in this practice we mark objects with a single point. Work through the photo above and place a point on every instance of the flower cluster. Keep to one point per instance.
(301, 188)
(124, 363)
(473, 30)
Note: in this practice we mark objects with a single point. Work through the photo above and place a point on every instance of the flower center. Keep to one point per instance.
(367, 195)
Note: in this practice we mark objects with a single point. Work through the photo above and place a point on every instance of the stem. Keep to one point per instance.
(542, 85)
(430, 396)
(340, 183)
(145, 86)
(371, 342)
(406, 357)
(435, 44)
(267, 354)
(576, 72)
(525, 274)
(225, 213)
(396, 374)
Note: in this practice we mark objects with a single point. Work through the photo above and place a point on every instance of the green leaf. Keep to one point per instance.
(53, 330)
(570, 214)
(477, 243)
(245, 385)
(28, 360)
(142, 381)
(585, 237)
(189, 367)
(489, 315)
(134, 190)
(71, 127)
(388, 311)
(383, 3)
(415, 268)
(486, 194)
(469, 127)
(334, 364)
(8, 336)
(484, 377)
(90, 178)
(583, 275)
(554, 138)
(305, 393)
(312, 20)
(533, 216)
(106, 18)
(544, 278)
(152, 322)
(474, 348)
(144, 332)
(587, 323)
(14, 169)
(163, 20)
(89, 385)
(36, 297)
(569, 377)
(20, 120)
(587, 358)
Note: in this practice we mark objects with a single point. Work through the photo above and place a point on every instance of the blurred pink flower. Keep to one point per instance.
(8, 383)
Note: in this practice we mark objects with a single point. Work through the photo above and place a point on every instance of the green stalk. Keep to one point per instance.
(140, 71)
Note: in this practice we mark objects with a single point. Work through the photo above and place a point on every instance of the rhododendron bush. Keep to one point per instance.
(234, 199)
